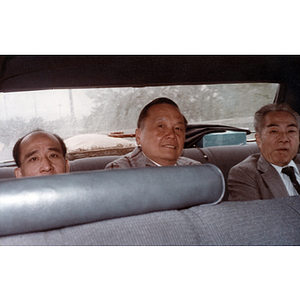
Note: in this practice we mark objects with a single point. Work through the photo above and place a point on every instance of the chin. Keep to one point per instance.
(170, 157)
(281, 163)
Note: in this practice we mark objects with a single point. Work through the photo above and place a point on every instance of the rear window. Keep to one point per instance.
(69, 113)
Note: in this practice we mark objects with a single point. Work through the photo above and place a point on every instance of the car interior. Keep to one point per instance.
(181, 206)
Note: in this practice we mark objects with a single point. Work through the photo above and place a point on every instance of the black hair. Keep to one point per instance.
(161, 100)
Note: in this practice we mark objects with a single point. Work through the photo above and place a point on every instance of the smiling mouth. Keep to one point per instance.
(169, 146)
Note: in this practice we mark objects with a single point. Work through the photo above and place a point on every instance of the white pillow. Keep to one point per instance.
(93, 145)
(84, 142)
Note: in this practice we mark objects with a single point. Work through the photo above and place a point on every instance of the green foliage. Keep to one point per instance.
(118, 108)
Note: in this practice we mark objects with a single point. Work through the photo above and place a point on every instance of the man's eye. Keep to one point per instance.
(32, 159)
(179, 128)
(54, 155)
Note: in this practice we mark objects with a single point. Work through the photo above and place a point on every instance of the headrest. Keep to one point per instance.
(48, 202)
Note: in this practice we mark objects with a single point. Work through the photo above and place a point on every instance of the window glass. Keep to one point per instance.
(104, 110)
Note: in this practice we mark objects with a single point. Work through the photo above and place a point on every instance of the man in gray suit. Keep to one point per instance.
(160, 137)
(273, 173)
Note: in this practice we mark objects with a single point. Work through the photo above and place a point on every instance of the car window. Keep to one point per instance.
(74, 112)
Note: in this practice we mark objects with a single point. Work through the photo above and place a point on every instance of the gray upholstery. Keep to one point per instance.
(70, 199)
(260, 222)
(224, 157)
(78, 165)
(91, 163)
(7, 173)
(59, 215)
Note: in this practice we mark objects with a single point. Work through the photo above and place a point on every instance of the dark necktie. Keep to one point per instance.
(290, 172)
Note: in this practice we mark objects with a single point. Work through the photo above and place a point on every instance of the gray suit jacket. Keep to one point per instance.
(255, 178)
(136, 159)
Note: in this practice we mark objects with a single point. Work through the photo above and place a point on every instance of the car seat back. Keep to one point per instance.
(48, 202)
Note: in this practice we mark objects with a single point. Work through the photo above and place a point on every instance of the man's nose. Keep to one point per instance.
(283, 137)
(46, 165)
(171, 133)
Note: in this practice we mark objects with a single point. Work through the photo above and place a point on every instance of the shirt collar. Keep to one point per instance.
(151, 160)
(154, 161)
(290, 164)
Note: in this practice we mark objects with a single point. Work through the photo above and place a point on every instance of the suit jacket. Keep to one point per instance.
(136, 159)
(255, 178)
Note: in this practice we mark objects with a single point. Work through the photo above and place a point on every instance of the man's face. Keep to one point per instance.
(162, 134)
(41, 154)
(279, 138)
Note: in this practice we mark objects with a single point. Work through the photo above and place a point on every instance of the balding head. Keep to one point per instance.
(40, 153)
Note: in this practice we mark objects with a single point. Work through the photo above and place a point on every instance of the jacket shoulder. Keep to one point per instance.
(248, 163)
(183, 161)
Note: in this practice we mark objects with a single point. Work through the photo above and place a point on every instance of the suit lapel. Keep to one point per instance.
(271, 178)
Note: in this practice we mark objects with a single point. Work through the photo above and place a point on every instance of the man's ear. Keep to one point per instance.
(67, 166)
(258, 140)
(138, 136)
(18, 172)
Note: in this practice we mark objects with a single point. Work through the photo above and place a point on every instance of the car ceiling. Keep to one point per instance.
(31, 72)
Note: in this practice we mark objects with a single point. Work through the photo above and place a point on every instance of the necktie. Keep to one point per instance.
(290, 172)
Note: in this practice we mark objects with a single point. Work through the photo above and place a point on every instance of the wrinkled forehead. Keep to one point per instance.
(164, 110)
(40, 138)
(277, 118)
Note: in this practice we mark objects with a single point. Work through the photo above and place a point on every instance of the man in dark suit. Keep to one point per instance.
(273, 173)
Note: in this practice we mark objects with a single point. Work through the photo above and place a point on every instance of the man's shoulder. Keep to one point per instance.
(129, 160)
(248, 163)
(183, 161)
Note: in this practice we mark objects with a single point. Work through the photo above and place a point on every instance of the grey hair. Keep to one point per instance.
(259, 116)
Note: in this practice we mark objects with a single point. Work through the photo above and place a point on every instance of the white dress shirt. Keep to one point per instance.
(286, 179)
